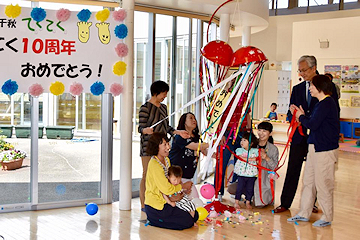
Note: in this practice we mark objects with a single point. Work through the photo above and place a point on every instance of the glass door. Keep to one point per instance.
(70, 165)
(14, 151)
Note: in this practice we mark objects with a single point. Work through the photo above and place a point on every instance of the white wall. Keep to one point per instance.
(276, 40)
(343, 35)
(288, 37)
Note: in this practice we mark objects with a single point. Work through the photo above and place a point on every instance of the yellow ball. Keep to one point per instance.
(203, 213)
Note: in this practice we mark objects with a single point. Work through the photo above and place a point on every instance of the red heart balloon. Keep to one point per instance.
(218, 52)
(246, 55)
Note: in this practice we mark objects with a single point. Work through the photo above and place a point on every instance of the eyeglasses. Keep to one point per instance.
(304, 70)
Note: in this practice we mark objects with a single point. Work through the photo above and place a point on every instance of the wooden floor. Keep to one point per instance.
(110, 223)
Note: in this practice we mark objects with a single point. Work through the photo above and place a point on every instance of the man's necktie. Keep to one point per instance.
(308, 94)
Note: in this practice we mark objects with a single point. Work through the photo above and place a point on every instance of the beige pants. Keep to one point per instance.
(145, 162)
(318, 180)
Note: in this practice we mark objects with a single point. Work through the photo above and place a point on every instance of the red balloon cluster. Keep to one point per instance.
(218, 52)
(221, 53)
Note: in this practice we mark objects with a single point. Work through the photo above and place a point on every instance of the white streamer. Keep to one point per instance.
(202, 95)
(231, 111)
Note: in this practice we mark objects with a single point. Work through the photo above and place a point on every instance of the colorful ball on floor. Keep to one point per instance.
(207, 191)
(203, 213)
(92, 208)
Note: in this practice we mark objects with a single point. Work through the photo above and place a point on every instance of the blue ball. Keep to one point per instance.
(92, 208)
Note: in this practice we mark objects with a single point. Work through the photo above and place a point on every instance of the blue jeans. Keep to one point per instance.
(226, 157)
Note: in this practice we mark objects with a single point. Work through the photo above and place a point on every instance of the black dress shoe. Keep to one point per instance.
(280, 209)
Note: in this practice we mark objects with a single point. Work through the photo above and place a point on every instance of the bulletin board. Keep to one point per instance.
(347, 77)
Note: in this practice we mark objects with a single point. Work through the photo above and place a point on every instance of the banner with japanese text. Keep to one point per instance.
(42, 47)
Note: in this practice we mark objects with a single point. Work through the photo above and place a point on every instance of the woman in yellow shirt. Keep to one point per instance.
(159, 213)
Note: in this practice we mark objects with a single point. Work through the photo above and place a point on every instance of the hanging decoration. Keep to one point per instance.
(67, 46)
(102, 15)
(121, 31)
(121, 50)
(12, 11)
(119, 68)
(36, 90)
(57, 88)
(62, 15)
(9, 87)
(38, 14)
(76, 89)
(84, 15)
(116, 89)
(97, 88)
(119, 15)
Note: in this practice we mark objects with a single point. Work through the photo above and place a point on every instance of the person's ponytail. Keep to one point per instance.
(271, 140)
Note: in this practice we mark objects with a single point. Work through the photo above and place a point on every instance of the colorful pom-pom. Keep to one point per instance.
(97, 88)
(76, 89)
(116, 89)
(57, 88)
(121, 50)
(119, 15)
(63, 14)
(9, 87)
(36, 90)
(84, 15)
(12, 11)
(119, 68)
(121, 31)
(38, 14)
(102, 15)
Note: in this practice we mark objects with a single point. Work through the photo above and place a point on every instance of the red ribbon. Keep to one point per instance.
(291, 130)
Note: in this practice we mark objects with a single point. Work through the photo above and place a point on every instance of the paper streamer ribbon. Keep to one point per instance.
(231, 111)
(203, 94)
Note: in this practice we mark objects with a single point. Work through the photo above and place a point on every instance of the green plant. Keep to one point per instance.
(11, 155)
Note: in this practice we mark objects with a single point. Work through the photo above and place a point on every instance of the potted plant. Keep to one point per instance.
(12, 159)
(5, 145)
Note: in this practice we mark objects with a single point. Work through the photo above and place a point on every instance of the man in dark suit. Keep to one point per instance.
(300, 96)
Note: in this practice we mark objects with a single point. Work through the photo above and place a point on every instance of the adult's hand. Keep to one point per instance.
(264, 155)
(177, 197)
(223, 140)
(292, 108)
(183, 133)
(300, 111)
(204, 146)
(186, 186)
(148, 130)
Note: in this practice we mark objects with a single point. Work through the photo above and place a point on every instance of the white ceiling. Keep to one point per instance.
(254, 13)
